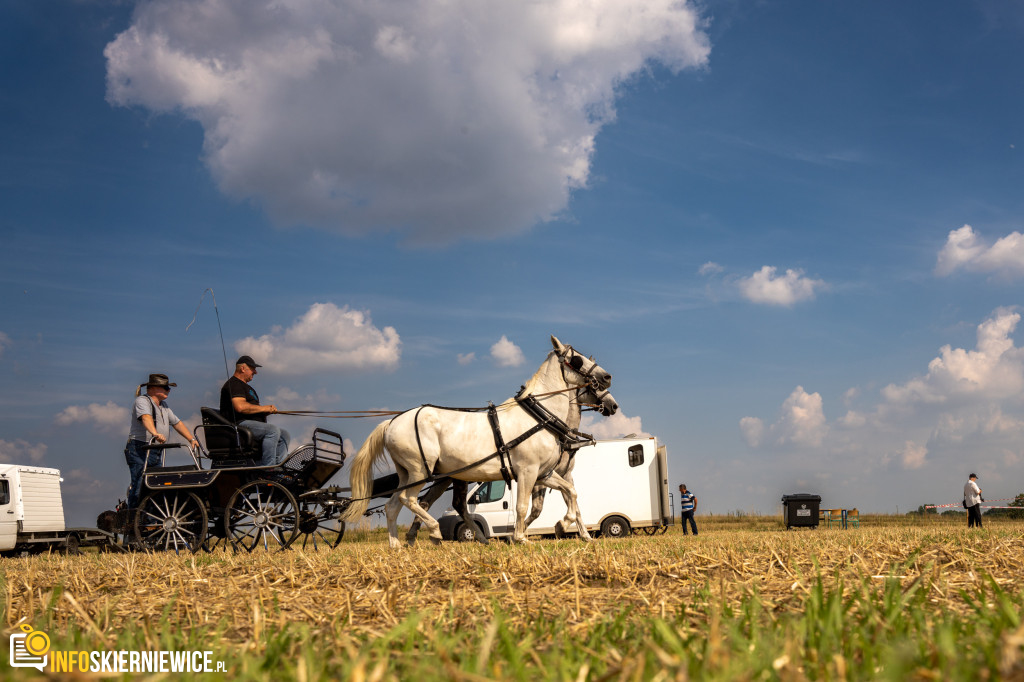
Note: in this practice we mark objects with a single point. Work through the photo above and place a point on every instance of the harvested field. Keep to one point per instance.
(743, 599)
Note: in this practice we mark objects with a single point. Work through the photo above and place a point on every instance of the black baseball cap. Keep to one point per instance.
(247, 360)
(973, 476)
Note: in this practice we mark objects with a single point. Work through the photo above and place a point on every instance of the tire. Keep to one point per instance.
(72, 545)
(615, 527)
(261, 513)
(465, 532)
(171, 520)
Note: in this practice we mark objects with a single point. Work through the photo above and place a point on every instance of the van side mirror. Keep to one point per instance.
(474, 499)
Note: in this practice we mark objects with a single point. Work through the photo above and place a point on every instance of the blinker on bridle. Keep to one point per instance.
(575, 362)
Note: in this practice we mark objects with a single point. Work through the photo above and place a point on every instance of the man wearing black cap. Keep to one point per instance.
(240, 404)
(152, 420)
(972, 500)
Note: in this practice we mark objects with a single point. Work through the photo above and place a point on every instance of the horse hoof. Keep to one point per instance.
(435, 541)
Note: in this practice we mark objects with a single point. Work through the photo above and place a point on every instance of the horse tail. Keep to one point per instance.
(360, 476)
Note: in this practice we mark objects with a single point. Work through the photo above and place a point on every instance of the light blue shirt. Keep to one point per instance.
(163, 418)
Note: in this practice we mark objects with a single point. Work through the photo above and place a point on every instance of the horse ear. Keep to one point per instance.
(556, 343)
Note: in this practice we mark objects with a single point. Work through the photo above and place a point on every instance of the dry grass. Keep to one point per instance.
(372, 588)
(367, 611)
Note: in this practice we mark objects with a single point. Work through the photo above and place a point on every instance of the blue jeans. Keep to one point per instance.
(136, 462)
(273, 439)
(693, 524)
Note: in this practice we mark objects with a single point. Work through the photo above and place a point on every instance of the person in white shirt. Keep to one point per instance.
(972, 499)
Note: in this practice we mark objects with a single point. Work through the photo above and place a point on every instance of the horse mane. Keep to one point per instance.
(531, 384)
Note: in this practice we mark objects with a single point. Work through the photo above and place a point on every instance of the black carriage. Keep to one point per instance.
(237, 501)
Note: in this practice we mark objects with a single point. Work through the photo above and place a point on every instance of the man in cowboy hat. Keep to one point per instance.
(240, 404)
(152, 420)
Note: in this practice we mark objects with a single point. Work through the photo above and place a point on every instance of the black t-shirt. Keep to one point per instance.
(236, 388)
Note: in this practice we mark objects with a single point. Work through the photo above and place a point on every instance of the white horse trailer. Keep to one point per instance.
(621, 485)
(32, 513)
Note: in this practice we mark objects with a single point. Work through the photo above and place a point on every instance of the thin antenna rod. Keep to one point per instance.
(221, 331)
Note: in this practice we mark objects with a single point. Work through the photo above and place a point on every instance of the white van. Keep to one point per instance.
(621, 485)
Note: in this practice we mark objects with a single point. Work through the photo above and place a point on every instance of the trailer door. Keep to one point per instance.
(8, 518)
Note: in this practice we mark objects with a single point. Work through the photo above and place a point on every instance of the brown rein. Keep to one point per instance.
(364, 414)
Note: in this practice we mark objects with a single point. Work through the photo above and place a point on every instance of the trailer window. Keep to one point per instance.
(492, 491)
(5, 493)
(636, 455)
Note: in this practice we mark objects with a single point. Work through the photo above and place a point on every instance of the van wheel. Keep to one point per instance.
(614, 527)
(465, 532)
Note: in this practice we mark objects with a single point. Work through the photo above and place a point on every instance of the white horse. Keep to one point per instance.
(434, 441)
(600, 401)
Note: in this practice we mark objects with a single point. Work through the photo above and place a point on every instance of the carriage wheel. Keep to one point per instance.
(320, 526)
(261, 512)
(171, 520)
(650, 530)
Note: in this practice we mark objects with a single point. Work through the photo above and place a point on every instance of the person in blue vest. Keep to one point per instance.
(687, 506)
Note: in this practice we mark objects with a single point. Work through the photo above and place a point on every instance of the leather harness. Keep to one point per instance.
(569, 439)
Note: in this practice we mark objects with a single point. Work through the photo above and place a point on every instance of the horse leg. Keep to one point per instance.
(526, 479)
(564, 485)
(410, 498)
(536, 503)
(459, 490)
(436, 490)
(391, 510)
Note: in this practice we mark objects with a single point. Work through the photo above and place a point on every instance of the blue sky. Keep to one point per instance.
(790, 230)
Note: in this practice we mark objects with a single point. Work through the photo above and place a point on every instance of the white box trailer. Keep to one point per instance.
(32, 512)
(621, 485)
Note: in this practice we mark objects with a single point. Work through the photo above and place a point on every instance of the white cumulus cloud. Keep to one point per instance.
(22, 452)
(108, 416)
(801, 422)
(913, 455)
(326, 337)
(507, 354)
(764, 286)
(466, 358)
(615, 426)
(993, 370)
(710, 268)
(964, 249)
(753, 431)
(448, 119)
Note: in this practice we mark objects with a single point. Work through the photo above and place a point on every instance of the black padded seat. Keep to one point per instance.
(227, 443)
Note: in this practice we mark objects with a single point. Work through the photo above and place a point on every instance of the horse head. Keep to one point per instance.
(589, 371)
(602, 401)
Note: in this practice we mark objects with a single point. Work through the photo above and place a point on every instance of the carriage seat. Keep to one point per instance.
(228, 444)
